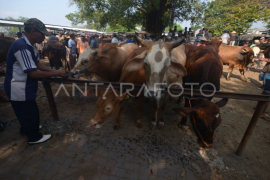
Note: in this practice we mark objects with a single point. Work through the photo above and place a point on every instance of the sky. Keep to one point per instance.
(52, 11)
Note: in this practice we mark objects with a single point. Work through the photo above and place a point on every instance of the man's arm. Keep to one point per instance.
(46, 74)
(43, 67)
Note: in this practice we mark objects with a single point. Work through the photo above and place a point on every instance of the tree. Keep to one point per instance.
(178, 27)
(154, 16)
(235, 15)
(119, 28)
(12, 31)
(195, 27)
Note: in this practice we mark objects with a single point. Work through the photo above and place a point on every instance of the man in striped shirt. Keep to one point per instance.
(21, 81)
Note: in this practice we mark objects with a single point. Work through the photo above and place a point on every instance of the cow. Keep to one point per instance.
(156, 59)
(5, 44)
(205, 117)
(110, 105)
(106, 64)
(104, 46)
(203, 65)
(237, 55)
(55, 51)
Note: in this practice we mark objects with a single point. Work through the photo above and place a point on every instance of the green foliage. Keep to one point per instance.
(154, 16)
(178, 27)
(119, 28)
(12, 31)
(235, 15)
(195, 27)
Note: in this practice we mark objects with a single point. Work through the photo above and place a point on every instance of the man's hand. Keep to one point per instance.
(62, 73)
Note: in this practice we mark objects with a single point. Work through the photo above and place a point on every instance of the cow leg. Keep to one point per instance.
(231, 66)
(163, 107)
(118, 120)
(139, 118)
(242, 72)
(184, 119)
(154, 121)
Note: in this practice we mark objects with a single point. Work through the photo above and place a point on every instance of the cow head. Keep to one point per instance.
(108, 107)
(88, 57)
(156, 59)
(256, 52)
(207, 118)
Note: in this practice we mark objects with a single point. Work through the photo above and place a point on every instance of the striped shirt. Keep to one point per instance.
(22, 58)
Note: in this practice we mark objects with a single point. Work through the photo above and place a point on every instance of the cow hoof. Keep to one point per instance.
(181, 125)
(139, 125)
(228, 79)
(245, 80)
(115, 127)
(152, 126)
(161, 126)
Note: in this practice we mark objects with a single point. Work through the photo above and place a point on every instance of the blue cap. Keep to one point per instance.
(92, 35)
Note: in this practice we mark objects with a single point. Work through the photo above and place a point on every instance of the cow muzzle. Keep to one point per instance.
(95, 124)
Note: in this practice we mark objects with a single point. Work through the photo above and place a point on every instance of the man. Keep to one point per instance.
(202, 41)
(19, 35)
(82, 44)
(114, 39)
(225, 36)
(256, 42)
(185, 32)
(129, 40)
(262, 40)
(175, 37)
(180, 33)
(21, 81)
(206, 35)
(61, 38)
(148, 39)
(169, 39)
(192, 39)
(163, 38)
(72, 50)
(52, 37)
(210, 35)
(93, 41)
(198, 36)
(66, 39)
(233, 38)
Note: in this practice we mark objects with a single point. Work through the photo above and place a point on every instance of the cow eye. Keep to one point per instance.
(86, 61)
(108, 107)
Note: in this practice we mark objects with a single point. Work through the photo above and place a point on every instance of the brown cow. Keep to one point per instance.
(5, 44)
(157, 60)
(205, 118)
(109, 104)
(107, 64)
(104, 46)
(237, 55)
(55, 51)
(203, 66)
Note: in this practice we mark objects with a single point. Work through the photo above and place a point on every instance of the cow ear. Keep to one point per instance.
(178, 69)
(122, 97)
(185, 110)
(135, 63)
(244, 50)
(222, 102)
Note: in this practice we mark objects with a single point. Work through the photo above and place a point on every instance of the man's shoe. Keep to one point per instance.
(43, 139)
(260, 87)
(5, 123)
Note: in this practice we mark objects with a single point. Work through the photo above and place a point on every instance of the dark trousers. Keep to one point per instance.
(28, 115)
(40, 54)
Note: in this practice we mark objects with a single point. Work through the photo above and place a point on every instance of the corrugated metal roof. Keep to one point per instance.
(49, 26)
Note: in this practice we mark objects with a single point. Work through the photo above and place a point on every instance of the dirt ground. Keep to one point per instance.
(172, 145)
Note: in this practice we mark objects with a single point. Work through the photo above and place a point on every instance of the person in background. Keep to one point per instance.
(21, 80)
(185, 32)
(198, 36)
(72, 50)
(120, 39)
(40, 48)
(187, 38)
(266, 69)
(169, 39)
(206, 35)
(129, 40)
(114, 39)
(175, 37)
(66, 38)
(262, 40)
(180, 33)
(82, 44)
(52, 37)
(163, 38)
(202, 41)
(19, 35)
(225, 37)
(210, 35)
(60, 37)
(101, 37)
(233, 37)
(94, 42)
(148, 39)
(192, 39)
(183, 37)
(203, 31)
(256, 42)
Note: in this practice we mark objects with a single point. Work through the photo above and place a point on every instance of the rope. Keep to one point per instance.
(162, 93)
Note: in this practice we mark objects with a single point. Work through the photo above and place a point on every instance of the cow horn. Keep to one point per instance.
(141, 40)
(176, 43)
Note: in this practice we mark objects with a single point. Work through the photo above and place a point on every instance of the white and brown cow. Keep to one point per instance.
(157, 61)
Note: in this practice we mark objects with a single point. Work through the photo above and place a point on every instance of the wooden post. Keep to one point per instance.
(51, 101)
(250, 127)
